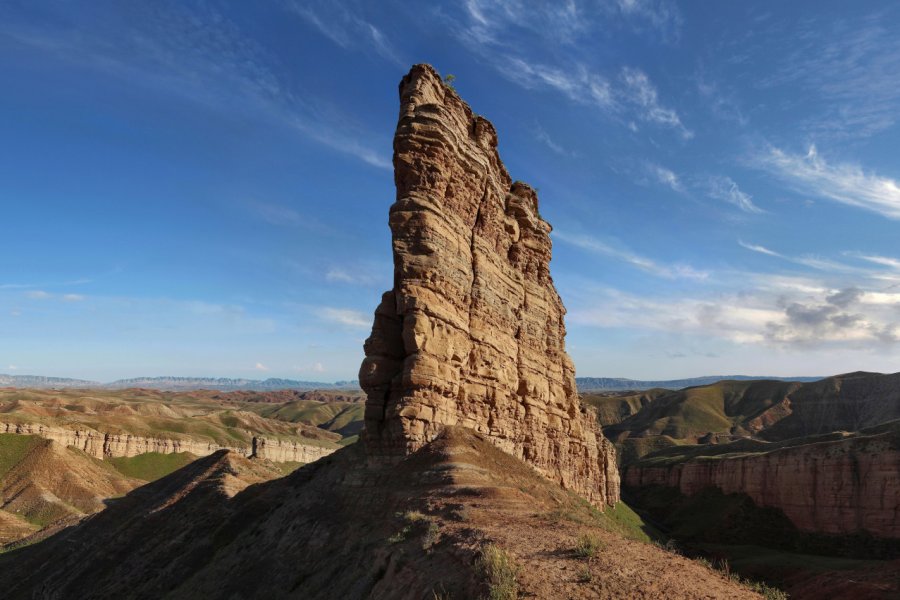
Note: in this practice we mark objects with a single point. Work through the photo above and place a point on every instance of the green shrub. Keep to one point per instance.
(585, 575)
(588, 546)
(500, 571)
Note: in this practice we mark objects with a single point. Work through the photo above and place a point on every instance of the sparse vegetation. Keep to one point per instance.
(151, 465)
(448, 81)
(417, 523)
(500, 572)
(588, 546)
(585, 575)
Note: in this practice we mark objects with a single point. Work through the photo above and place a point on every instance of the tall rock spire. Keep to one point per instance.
(473, 333)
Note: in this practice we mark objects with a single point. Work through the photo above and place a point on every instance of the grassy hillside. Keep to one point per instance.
(43, 483)
(344, 418)
(222, 419)
(728, 410)
(152, 465)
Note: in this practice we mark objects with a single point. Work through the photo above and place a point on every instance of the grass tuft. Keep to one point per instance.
(500, 571)
(588, 546)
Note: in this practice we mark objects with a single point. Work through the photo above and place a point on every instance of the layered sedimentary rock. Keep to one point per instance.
(836, 485)
(110, 445)
(472, 334)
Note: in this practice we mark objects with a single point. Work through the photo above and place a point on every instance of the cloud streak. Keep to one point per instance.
(844, 183)
(199, 54)
(630, 93)
(725, 189)
(596, 246)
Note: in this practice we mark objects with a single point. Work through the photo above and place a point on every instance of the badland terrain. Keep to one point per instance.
(469, 466)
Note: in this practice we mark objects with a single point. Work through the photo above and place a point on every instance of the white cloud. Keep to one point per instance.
(725, 189)
(197, 53)
(72, 298)
(12, 367)
(491, 25)
(886, 261)
(344, 316)
(339, 275)
(812, 261)
(662, 15)
(845, 183)
(641, 92)
(849, 79)
(37, 295)
(591, 244)
(261, 367)
(346, 28)
(316, 367)
(666, 177)
(760, 249)
(543, 136)
(775, 311)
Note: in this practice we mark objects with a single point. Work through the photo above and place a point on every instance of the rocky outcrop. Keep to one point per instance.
(841, 484)
(472, 334)
(110, 445)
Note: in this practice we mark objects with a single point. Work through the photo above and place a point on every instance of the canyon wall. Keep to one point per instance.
(472, 333)
(840, 486)
(110, 445)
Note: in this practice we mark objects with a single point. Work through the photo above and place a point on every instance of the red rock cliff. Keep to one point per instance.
(837, 486)
(472, 333)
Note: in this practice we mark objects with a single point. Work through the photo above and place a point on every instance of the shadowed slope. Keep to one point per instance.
(336, 529)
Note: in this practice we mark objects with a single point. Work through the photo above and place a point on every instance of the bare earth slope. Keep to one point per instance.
(337, 529)
(44, 482)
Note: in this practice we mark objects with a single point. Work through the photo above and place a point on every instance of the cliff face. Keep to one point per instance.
(472, 333)
(838, 486)
(108, 445)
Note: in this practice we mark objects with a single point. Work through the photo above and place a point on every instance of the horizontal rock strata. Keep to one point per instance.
(840, 487)
(110, 445)
(472, 333)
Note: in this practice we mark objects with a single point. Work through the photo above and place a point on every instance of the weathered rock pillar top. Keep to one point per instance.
(472, 334)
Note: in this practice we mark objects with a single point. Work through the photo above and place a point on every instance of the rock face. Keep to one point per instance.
(472, 333)
(109, 445)
(838, 484)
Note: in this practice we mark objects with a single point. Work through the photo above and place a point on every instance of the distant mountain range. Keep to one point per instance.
(227, 384)
(618, 384)
(224, 384)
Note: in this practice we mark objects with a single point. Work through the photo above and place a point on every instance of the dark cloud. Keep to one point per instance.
(845, 297)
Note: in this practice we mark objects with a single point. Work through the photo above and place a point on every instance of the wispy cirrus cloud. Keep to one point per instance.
(640, 92)
(194, 52)
(814, 262)
(597, 246)
(344, 316)
(724, 188)
(854, 71)
(346, 28)
(886, 261)
(845, 183)
(661, 15)
(666, 177)
(628, 95)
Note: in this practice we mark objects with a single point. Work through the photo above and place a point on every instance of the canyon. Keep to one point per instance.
(475, 441)
(842, 483)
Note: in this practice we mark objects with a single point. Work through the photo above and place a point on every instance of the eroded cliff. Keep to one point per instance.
(837, 483)
(111, 445)
(472, 334)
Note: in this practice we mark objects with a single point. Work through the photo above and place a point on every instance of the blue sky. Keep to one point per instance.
(203, 188)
